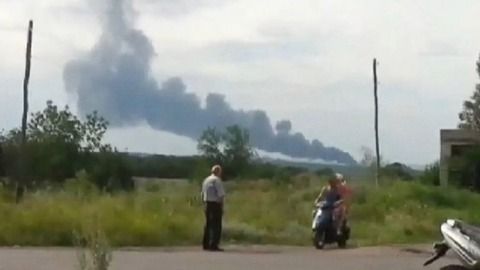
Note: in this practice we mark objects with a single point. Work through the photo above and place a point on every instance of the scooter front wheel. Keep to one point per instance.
(318, 239)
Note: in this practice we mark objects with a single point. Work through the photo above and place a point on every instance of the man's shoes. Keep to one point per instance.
(214, 249)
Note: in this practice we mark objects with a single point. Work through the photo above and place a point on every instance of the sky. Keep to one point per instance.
(307, 61)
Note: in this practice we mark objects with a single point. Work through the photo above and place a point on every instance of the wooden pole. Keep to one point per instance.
(20, 185)
(377, 145)
(25, 82)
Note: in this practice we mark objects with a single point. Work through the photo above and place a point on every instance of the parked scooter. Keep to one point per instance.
(323, 227)
(463, 239)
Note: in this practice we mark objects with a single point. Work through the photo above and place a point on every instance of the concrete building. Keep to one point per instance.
(454, 142)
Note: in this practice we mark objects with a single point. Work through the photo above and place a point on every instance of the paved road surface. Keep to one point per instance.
(278, 258)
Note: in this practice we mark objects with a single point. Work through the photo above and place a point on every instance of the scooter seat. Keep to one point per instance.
(473, 232)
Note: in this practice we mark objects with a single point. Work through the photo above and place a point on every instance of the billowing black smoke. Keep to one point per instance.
(114, 78)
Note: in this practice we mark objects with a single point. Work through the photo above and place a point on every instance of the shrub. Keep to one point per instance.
(81, 186)
(110, 172)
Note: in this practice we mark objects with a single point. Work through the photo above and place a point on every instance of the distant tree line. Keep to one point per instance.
(162, 166)
(198, 167)
(60, 145)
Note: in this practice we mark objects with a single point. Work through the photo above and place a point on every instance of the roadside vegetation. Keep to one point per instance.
(79, 191)
(257, 212)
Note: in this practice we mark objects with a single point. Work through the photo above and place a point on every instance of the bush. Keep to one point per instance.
(81, 186)
(397, 171)
(111, 172)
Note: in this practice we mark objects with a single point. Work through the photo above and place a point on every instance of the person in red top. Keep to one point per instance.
(346, 195)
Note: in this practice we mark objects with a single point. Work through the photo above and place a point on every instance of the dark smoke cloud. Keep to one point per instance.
(283, 127)
(115, 79)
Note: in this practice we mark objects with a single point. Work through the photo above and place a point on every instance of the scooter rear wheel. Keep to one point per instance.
(342, 239)
(342, 242)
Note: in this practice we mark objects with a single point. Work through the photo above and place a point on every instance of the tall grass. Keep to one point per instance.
(257, 212)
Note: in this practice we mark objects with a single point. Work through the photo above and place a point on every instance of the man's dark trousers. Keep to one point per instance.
(213, 225)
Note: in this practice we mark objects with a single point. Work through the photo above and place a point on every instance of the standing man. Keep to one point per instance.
(213, 195)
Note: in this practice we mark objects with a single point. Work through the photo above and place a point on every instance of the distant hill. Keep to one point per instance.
(181, 164)
(347, 170)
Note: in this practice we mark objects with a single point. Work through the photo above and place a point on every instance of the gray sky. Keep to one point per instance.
(307, 61)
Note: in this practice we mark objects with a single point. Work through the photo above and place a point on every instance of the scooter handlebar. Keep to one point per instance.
(323, 203)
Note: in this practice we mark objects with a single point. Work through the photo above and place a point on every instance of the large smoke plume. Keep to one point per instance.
(115, 79)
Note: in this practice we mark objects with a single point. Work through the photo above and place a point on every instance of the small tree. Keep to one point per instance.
(468, 166)
(62, 125)
(2, 170)
(231, 148)
(368, 158)
(60, 144)
(431, 174)
(210, 145)
(470, 116)
(238, 151)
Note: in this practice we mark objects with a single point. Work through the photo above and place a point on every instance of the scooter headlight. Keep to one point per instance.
(451, 222)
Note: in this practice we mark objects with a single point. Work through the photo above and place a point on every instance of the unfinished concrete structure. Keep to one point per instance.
(454, 142)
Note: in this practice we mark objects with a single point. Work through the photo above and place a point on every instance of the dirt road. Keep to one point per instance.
(277, 258)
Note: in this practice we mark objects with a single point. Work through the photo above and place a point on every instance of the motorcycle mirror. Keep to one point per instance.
(432, 259)
(440, 250)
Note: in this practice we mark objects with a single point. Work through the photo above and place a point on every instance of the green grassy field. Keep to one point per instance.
(257, 212)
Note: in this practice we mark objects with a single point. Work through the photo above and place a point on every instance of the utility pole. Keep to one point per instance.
(23, 173)
(377, 145)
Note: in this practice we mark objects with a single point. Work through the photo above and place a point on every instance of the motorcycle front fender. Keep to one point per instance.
(316, 219)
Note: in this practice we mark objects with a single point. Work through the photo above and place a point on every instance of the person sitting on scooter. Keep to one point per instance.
(332, 196)
(346, 194)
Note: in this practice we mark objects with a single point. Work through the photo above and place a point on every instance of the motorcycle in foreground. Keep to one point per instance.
(463, 239)
(323, 227)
